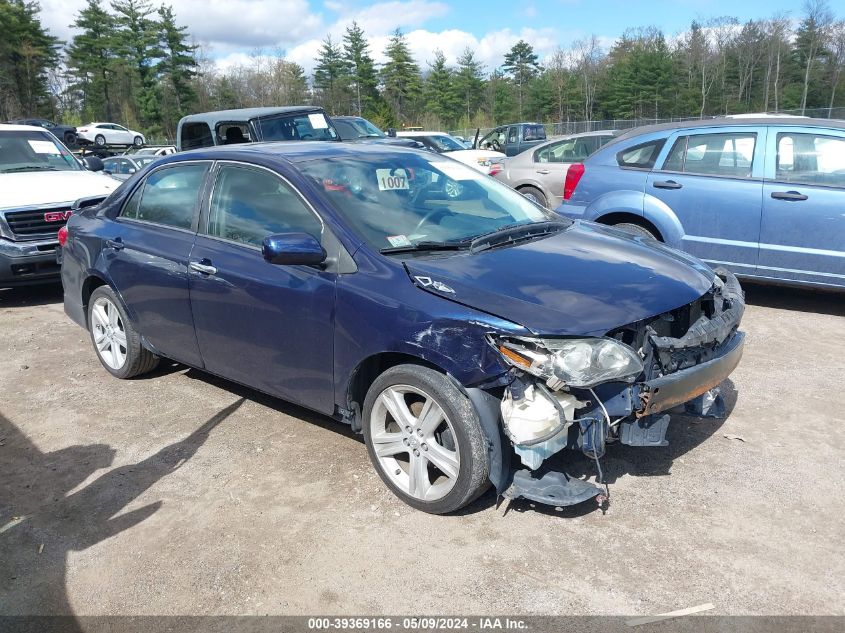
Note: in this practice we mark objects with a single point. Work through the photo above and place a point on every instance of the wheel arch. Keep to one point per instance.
(91, 283)
(619, 217)
(370, 368)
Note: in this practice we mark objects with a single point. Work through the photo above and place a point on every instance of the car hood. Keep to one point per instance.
(585, 280)
(31, 188)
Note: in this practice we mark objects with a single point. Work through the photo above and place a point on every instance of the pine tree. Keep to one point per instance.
(521, 64)
(356, 52)
(26, 53)
(175, 69)
(469, 83)
(332, 77)
(136, 42)
(91, 60)
(400, 77)
(441, 100)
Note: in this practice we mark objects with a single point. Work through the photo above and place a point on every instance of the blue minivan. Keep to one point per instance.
(763, 197)
(459, 327)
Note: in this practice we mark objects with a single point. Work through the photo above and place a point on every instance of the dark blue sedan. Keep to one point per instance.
(461, 328)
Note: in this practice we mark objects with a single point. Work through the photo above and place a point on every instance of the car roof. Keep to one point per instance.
(296, 151)
(248, 113)
(726, 122)
(14, 127)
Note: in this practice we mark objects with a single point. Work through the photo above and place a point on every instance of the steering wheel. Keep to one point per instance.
(495, 145)
(305, 136)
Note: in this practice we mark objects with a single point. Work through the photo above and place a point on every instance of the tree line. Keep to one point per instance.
(133, 63)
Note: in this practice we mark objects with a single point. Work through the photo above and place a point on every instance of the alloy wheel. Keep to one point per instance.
(109, 333)
(414, 442)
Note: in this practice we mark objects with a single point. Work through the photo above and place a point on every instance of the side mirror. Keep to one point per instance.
(93, 163)
(293, 248)
(391, 132)
(132, 170)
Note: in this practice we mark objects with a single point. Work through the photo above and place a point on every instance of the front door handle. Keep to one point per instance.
(788, 195)
(201, 267)
(543, 171)
(117, 244)
(667, 184)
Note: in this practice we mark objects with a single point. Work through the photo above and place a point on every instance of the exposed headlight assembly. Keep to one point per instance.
(578, 362)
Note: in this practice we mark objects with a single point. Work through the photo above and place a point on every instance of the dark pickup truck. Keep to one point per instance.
(513, 139)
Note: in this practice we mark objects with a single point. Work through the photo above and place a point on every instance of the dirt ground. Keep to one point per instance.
(179, 493)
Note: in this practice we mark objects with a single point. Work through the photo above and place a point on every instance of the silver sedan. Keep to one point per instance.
(539, 173)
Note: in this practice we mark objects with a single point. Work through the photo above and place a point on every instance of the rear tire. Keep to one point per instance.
(70, 139)
(535, 195)
(635, 229)
(138, 142)
(116, 343)
(100, 140)
(425, 440)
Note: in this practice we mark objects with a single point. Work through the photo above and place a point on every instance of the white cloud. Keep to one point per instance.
(230, 30)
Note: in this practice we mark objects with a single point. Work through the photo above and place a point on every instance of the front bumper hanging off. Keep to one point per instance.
(678, 370)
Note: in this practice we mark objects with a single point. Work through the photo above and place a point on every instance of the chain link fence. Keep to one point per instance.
(563, 128)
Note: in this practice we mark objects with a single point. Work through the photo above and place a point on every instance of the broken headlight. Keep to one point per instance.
(578, 362)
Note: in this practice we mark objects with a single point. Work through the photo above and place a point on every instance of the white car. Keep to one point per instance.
(151, 150)
(40, 180)
(484, 160)
(103, 134)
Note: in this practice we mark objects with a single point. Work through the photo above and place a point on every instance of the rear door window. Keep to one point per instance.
(729, 154)
(168, 196)
(642, 156)
(534, 133)
(812, 159)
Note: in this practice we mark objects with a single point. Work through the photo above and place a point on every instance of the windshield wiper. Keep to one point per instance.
(426, 246)
(511, 233)
(29, 168)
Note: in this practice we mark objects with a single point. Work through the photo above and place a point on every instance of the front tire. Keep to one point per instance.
(100, 140)
(138, 142)
(117, 344)
(425, 440)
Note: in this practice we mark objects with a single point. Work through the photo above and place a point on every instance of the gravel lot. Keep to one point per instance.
(179, 493)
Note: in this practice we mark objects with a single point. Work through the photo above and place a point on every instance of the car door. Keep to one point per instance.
(802, 236)
(265, 325)
(146, 251)
(711, 180)
(512, 145)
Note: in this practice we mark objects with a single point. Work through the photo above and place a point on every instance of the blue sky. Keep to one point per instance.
(232, 30)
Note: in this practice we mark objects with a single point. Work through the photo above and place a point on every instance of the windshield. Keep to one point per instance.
(445, 143)
(396, 200)
(143, 161)
(366, 129)
(296, 127)
(33, 151)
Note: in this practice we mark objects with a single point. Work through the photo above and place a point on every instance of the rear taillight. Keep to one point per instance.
(495, 168)
(82, 129)
(62, 236)
(573, 176)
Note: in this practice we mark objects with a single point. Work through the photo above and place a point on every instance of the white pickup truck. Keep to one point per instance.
(39, 182)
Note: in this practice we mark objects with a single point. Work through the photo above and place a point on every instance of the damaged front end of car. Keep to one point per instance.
(582, 393)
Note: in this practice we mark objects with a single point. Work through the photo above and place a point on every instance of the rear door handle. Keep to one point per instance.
(542, 171)
(117, 244)
(788, 195)
(205, 269)
(667, 184)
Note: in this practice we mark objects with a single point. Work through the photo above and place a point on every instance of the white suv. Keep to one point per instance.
(39, 182)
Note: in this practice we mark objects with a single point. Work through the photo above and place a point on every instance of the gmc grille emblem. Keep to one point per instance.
(57, 216)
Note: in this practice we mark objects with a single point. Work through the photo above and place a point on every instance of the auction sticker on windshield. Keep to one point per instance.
(318, 121)
(392, 179)
(398, 240)
(44, 147)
